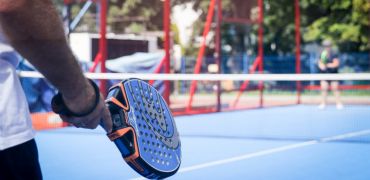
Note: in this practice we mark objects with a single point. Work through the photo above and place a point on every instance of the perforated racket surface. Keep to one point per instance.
(143, 129)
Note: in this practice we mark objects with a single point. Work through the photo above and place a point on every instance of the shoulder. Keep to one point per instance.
(334, 51)
(334, 55)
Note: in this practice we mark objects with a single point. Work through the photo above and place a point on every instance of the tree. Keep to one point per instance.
(232, 34)
(128, 15)
(346, 23)
(278, 27)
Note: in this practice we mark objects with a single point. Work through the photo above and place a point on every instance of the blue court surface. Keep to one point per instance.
(292, 142)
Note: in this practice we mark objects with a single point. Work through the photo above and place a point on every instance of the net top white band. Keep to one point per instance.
(216, 77)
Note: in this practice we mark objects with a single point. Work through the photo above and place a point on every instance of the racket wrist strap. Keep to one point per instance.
(58, 105)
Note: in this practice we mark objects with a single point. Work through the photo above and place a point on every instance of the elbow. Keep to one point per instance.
(10, 5)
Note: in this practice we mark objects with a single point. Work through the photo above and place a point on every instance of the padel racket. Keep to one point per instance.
(144, 130)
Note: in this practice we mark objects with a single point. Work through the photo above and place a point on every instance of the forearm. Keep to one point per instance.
(334, 64)
(35, 30)
(321, 65)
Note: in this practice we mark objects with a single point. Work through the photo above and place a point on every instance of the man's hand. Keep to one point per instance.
(83, 102)
(322, 66)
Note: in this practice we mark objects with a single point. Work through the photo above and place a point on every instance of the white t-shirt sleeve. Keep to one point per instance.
(15, 120)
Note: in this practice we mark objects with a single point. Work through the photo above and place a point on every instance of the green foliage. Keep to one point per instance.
(279, 26)
(346, 23)
(175, 34)
(135, 28)
(131, 13)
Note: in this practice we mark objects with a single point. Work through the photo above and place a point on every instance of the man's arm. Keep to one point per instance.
(35, 30)
(321, 65)
(9, 5)
(334, 64)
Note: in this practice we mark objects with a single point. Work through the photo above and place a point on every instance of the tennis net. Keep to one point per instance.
(205, 93)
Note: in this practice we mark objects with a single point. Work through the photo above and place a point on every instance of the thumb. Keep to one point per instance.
(106, 121)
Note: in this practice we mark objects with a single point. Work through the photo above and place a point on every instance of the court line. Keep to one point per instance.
(271, 151)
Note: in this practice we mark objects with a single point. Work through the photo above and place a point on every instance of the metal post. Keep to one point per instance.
(298, 48)
(260, 47)
(103, 42)
(201, 52)
(166, 29)
(218, 51)
(79, 16)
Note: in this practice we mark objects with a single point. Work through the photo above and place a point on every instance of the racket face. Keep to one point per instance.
(156, 140)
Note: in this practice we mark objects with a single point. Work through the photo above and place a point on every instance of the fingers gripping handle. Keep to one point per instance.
(121, 135)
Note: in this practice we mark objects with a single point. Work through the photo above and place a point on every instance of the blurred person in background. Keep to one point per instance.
(329, 63)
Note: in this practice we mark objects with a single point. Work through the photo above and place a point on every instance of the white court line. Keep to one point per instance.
(248, 156)
(271, 151)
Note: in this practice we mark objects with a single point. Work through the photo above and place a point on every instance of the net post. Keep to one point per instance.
(298, 47)
(199, 61)
(246, 82)
(158, 69)
(96, 62)
(260, 48)
(103, 42)
(218, 51)
(166, 29)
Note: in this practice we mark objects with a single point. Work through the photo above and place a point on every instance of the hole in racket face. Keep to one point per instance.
(158, 140)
